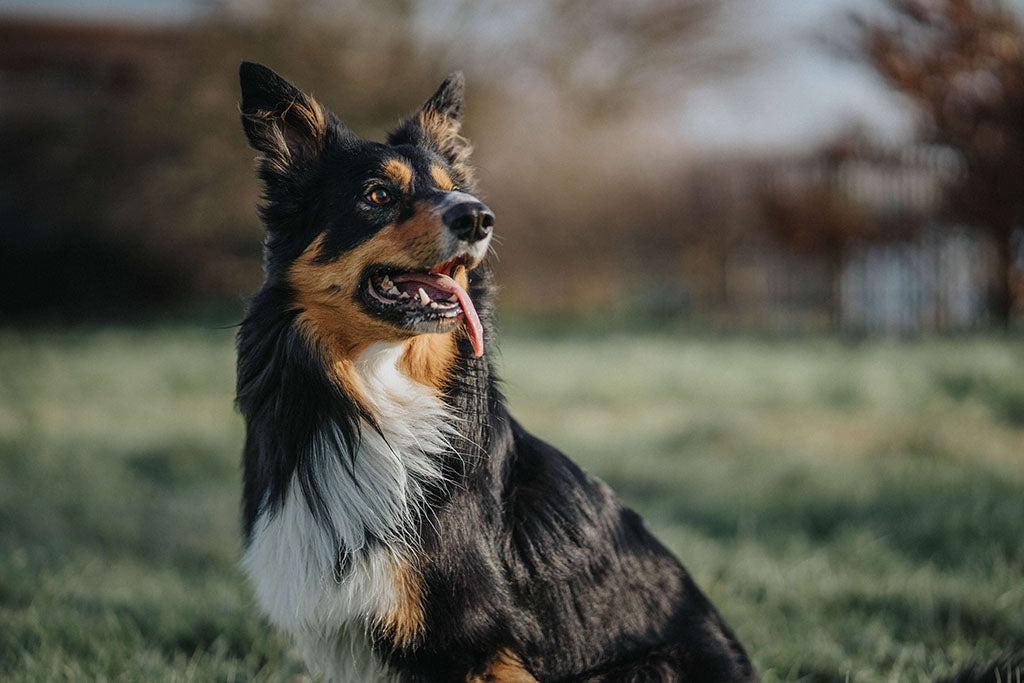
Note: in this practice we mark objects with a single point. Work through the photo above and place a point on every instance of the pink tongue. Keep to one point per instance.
(439, 281)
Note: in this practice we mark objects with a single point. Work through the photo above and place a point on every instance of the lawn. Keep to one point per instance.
(856, 511)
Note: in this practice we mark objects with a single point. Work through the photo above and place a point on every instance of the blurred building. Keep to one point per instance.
(904, 266)
(853, 237)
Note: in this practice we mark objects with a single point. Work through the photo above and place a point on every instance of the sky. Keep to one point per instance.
(793, 94)
(795, 91)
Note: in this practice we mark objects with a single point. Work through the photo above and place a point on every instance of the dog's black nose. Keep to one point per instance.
(470, 221)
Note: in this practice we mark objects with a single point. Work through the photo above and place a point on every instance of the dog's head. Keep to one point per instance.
(375, 241)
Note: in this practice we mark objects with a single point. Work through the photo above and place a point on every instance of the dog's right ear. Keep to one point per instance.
(287, 126)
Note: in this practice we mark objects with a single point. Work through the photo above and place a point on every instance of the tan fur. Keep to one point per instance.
(420, 237)
(335, 323)
(399, 171)
(428, 358)
(504, 668)
(441, 178)
(405, 622)
(440, 127)
(329, 317)
(445, 132)
(461, 275)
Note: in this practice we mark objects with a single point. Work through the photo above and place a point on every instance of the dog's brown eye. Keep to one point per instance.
(378, 196)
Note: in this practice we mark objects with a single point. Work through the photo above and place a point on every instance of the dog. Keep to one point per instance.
(400, 524)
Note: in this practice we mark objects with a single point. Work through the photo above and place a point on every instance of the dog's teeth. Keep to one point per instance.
(433, 304)
(454, 299)
(403, 295)
(386, 282)
(424, 299)
(392, 290)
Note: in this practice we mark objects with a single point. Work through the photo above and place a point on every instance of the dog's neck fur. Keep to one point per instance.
(372, 501)
(380, 490)
(340, 487)
(299, 410)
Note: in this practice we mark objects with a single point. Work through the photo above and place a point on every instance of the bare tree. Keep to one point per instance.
(625, 57)
(962, 63)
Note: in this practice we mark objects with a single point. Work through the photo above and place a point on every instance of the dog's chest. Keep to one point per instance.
(371, 500)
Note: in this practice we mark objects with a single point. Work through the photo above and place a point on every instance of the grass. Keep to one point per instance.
(857, 512)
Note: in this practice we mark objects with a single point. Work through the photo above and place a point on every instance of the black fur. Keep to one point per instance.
(286, 399)
(525, 553)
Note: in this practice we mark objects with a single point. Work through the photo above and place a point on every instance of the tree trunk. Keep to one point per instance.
(1002, 285)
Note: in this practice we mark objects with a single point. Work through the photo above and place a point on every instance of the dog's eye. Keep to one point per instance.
(379, 196)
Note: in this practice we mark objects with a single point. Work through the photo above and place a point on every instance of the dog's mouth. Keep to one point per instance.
(426, 301)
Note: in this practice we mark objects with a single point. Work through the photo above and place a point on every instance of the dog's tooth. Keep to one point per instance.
(403, 295)
(424, 299)
(433, 304)
(394, 291)
(454, 299)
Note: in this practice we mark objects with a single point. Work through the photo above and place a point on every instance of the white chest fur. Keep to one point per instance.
(291, 559)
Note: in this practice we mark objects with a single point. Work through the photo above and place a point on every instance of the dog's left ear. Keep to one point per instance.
(437, 125)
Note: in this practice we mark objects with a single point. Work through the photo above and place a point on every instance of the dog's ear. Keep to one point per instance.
(437, 125)
(287, 126)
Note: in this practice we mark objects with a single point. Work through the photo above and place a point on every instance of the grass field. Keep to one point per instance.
(856, 511)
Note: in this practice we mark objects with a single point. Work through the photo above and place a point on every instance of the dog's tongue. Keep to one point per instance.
(446, 284)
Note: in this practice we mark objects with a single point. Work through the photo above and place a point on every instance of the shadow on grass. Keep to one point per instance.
(169, 505)
(958, 519)
(180, 464)
(907, 619)
(1005, 402)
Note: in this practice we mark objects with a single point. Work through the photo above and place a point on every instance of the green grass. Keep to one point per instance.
(857, 512)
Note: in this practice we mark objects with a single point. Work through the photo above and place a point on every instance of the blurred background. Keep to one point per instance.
(761, 267)
(840, 165)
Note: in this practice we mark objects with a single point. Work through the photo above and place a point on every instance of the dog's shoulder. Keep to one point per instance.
(562, 519)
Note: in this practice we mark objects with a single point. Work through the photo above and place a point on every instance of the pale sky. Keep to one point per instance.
(795, 92)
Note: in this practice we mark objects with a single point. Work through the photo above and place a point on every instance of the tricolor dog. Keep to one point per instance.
(400, 525)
